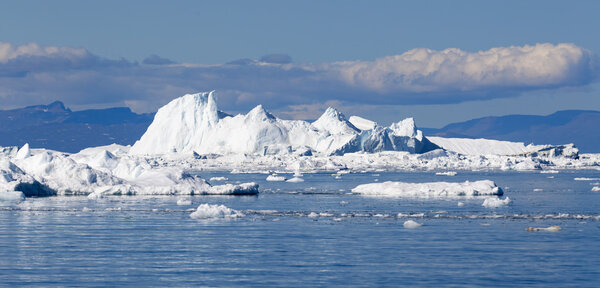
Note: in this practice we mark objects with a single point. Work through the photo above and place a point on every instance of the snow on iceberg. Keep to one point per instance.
(429, 190)
(208, 211)
(191, 124)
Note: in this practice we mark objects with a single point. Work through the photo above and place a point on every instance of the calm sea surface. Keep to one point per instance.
(355, 240)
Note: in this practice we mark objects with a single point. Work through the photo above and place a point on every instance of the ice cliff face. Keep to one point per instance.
(191, 124)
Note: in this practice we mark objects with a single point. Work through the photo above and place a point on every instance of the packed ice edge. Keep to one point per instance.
(191, 134)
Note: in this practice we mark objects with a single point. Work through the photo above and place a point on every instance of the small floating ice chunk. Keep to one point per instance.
(313, 215)
(295, 180)
(549, 172)
(553, 228)
(219, 178)
(596, 188)
(429, 190)
(12, 196)
(410, 224)
(208, 211)
(460, 204)
(184, 202)
(538, 190)
(495, 202)
(585, 179)
(275, 178)
(447, 173)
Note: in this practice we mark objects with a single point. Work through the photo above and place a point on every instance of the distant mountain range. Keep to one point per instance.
(580, 127)
(56, 127)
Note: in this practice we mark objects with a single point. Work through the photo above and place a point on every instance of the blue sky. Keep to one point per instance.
(118, 35)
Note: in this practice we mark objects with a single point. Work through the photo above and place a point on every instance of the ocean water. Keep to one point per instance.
(355, 241)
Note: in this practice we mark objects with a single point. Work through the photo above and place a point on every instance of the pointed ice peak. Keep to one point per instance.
(24, 152)
(260, 113)
(335, 122)
(333, 113)
(406, 128)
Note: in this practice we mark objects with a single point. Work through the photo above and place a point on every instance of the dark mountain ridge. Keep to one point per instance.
(568, 126)
(56, 127)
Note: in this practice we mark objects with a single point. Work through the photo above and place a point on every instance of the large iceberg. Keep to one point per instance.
(97, 172)
(191, 124)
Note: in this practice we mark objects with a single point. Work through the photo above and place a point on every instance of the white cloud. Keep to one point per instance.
(425, 70)
(31, 74)
(10, 52)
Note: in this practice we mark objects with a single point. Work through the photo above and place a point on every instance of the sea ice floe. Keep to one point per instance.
(596, 188)
(585, 179)
(209, 211)
(221, 178)
(495, 202)
(429, 190)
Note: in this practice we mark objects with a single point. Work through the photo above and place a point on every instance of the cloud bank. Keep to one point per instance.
(31, 74)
